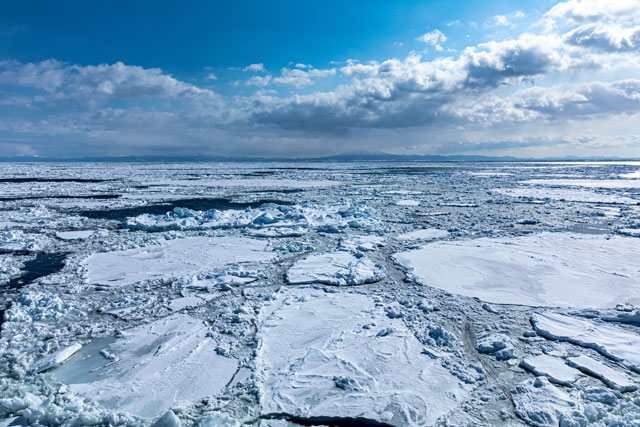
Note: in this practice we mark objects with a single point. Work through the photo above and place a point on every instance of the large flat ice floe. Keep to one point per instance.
(339, 355)
(173, 258)
(612, 341)
(335, 268)
(546, 269)
(151, 368)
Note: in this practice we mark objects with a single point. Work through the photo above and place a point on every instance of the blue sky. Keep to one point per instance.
(286, 78)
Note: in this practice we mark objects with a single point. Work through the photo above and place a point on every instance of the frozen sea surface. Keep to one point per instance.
(338, 294)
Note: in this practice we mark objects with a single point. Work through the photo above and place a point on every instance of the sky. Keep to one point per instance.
(308, 78)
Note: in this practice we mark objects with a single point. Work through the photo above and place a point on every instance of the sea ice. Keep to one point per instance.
(540, 404)
(589, 183)
(551, 367)
(74, 235)
(151, 368)
(612, 341)
(546, 269)
(424, 234)
(405, 202)
(566, 194)
(362, 243)
(611, 377)
(55, 359)
(173, 258)
(319, 356)
(335, 268)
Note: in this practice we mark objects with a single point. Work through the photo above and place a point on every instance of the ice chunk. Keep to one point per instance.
(551, 367)
(498, 345)
(315, 359)
(173, 258)
(74, 235)
(611, 377)
(362, 243)
(424, 234)
(546, 269)
(278, 232)
(612, 341)
(156, 366)
(406, 202)
(335, 268)
(55, 359)
(169, 419)
(540, 403)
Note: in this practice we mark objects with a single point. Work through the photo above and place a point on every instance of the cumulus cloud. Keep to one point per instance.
(118, 80)
(434, 38)
(606, 37)
(581, 11)
(254, 68)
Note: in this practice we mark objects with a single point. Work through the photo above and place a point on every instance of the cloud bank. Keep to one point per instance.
(564, 85)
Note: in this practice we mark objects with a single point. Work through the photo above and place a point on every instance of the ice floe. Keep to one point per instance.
(546, 269)
(173, 258)
(612, 341)
(56, 359)
(335, 268)
(554, 368)
(614, 379)
(320, 356)
(424, 234)
(151, 368)
(74, 235)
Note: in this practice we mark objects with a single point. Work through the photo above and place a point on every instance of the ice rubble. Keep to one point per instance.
(335, 268)
(9, 268)
(546, 269)
(566, 194)
(266, 217)
(362, 243)
(150, 369)
(614, 379)
(172, 259)
(323, 354)
(540, 404)
(18, 241)
(612, 341)
(590, 183)
(551, 367)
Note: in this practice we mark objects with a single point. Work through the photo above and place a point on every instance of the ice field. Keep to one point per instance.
(338, 294)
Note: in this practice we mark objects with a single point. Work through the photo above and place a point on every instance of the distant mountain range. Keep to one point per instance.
(349, 157)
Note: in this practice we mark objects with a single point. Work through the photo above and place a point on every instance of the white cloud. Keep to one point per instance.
(259, 80)
(212, 76)
(254, 68)
(434, 38)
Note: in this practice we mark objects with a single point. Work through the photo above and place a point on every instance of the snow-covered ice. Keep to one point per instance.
(335, 268)
(203, 294)
(554, 368)
(424, 234)
(150, 368)
(319, 356)
(173, 258)
(613, 378)
(546, 269)
(540, 404)
(612, 341)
